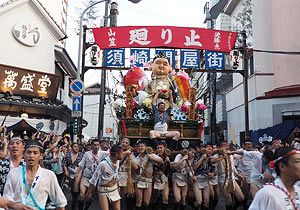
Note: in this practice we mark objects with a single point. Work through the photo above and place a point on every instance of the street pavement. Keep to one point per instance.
(95, 203)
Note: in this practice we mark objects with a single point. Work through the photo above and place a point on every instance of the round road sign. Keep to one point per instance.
(77, 86)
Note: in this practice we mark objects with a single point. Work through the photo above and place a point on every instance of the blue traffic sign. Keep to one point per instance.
(76, 103)
(77, 86)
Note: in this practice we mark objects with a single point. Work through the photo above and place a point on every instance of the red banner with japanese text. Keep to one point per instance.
(164, 36)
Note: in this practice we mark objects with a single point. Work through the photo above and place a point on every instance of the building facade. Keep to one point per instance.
(91, 113)
(35, 69)
(274, 85)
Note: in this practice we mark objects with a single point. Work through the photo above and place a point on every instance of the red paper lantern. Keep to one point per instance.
(136, 76)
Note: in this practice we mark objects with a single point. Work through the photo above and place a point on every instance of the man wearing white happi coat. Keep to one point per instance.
(260, 172)
(145, 161)
(87, 166)
(182, 171)
(31, 185)
(106, 178)
(284, 193)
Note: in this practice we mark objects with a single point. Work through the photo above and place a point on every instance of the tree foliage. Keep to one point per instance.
(91, 17)
(243, 21)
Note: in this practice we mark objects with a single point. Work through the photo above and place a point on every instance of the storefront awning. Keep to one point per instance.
(38, 108)
(280, 131)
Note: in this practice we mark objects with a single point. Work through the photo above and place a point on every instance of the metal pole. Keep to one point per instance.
(213, 96)
(245, 68)
(113, 14)
(81, 60)
(102, 85)
(79, 136)
(80, 33)
(214, 109)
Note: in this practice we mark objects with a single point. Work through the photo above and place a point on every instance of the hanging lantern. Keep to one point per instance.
(95, 54)
(24, 116)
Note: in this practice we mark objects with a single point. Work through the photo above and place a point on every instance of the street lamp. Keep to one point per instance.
(80, 30)
(102, 95)
(134, 1)
(80, 27)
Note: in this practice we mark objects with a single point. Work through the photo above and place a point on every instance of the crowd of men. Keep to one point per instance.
(34, 170)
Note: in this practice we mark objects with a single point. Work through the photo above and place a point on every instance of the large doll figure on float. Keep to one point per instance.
(162, 100)
(160, 81)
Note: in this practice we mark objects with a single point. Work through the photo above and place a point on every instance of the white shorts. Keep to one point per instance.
(179, 182)
(111, 193)
(161, 185)
(203, 181)
(221, 178)
(144, 184)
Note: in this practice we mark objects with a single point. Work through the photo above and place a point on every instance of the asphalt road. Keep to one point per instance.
(95, 203)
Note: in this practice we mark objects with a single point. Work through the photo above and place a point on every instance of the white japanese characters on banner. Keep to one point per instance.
(217, 40)
(9, 81)
(44, 82)
(112, 38)
(20, 81)
(190, 58)
(193, 39)
(115, 57)
(214, 60)
(27, 82)
(139, 36)
(164, 37)
(140, 56)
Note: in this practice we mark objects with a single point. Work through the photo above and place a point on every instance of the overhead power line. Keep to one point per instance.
(278, 52)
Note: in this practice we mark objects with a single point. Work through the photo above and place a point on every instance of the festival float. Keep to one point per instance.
(135, 117)
(134, 113)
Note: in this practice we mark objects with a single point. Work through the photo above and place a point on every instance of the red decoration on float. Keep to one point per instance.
(136, 77)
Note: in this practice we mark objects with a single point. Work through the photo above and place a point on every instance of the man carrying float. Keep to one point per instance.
(145, 161)
(126, 181)
(160, 178)
(182, 172)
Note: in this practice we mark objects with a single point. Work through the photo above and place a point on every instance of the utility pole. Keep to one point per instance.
(213, 97)
(213, 77)
(79, 135)
(245, 68)
(113, 22)
(81, 56)
(82, 46)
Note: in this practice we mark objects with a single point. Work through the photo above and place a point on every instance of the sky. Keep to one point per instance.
(186, 13)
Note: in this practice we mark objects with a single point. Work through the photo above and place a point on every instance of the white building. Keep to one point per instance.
(274, 82)
(91, 113)
(58, 10)
(35, 70)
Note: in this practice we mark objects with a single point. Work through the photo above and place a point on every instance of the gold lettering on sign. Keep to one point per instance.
(192, 100)
(25, 82)
(129, 101)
